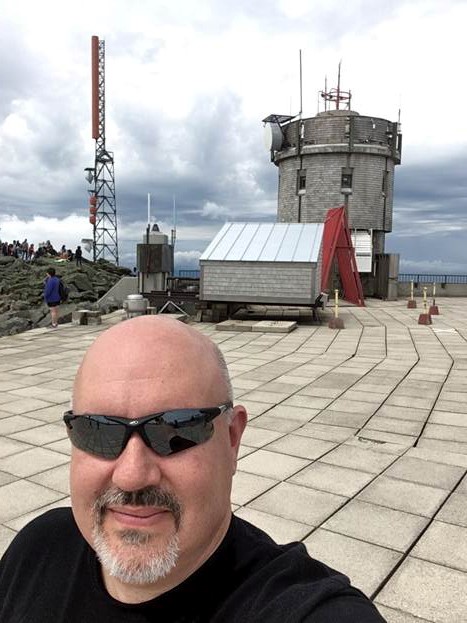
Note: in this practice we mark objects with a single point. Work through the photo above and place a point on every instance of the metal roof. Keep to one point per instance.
(266, 242)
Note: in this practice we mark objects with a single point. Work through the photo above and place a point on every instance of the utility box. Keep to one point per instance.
(387, 275)
(269, 263)
(154, 258)
(154, 261)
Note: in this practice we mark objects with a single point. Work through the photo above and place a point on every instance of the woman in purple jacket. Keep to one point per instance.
(52, 295)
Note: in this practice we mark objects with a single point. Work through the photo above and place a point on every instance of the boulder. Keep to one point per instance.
(22, 283)
(6, 259)
(81, 281)
(19, 305)
(12, 325)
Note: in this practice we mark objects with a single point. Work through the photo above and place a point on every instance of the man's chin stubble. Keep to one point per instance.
(134, 560)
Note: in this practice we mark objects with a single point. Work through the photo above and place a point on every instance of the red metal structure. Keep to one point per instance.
(102, 201)
(337, 243)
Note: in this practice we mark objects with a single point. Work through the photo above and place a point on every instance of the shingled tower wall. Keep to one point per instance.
(339, 157)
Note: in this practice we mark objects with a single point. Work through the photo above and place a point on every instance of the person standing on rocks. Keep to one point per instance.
(78, 256)
(52, 295)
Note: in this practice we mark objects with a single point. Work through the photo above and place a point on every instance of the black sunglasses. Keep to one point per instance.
(166, 433)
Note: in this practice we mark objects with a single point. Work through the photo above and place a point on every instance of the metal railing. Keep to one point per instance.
(188, 273)
(425, 278)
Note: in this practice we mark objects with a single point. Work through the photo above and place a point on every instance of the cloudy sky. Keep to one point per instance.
(187, 84)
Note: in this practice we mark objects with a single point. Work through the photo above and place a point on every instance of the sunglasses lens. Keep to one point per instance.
(180, 434)
(166, 433)
(97, 435)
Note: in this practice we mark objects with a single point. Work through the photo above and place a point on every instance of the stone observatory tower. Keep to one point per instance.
(338, 157)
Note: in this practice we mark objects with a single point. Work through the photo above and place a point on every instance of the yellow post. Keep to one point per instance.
(411, 303)
(336, 322)
(434, 311)
(424, 318)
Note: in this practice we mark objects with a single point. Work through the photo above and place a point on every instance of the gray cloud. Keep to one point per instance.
(432, 196)
(211, 158)
(430, 214)
(19, 72)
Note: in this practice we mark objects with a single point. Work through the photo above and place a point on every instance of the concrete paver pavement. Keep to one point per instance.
(357, 444)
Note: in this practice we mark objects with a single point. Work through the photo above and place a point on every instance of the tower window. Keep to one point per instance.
(301, 181)
(346, 179)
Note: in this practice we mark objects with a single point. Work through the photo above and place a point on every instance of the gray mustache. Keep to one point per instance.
(149, 496)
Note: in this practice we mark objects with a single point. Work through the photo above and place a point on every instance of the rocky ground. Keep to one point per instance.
(21, 290)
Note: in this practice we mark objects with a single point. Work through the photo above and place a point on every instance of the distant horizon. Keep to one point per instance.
(190, 260)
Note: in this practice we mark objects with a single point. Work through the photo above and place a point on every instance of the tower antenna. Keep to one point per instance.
(174, 230)
(301, 90)
(338, 85)
(103, 207)
(336, 95)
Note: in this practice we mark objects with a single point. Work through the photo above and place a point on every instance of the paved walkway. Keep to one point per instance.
(357, 444)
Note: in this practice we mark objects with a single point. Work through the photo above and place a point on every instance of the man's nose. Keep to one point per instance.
(137, 467)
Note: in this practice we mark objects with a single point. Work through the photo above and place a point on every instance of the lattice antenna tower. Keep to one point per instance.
(103, 206)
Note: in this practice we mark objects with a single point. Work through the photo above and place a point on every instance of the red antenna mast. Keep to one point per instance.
(102, 202)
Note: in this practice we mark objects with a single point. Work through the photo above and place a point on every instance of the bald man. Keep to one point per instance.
(150, 535)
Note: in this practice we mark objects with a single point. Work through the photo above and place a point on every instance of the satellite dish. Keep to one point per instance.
(273, 138)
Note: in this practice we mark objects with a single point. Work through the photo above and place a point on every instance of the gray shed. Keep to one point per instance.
(276, 263)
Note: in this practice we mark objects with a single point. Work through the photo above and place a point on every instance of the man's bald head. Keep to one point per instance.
(153, 350)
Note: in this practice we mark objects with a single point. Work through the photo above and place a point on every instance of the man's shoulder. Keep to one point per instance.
(41, 563)
(284, 583)
(60, 517)
(265, 551)
(54, 526)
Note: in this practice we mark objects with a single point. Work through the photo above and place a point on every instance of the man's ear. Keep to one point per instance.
(236, 427)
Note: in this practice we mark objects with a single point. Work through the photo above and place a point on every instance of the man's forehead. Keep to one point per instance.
(139, 371)
(139, 356)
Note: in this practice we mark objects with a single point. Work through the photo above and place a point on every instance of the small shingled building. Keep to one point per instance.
(276, 263)
(280, 263)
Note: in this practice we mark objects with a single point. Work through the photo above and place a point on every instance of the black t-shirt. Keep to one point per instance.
(50, 574)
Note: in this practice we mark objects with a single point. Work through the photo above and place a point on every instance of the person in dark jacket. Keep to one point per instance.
(78, 256)
(52, 295)
(151, 536)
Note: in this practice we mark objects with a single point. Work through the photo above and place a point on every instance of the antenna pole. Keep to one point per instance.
(301, 93)
(149, 208)
(335, 95)
(325, 90)
(174, 230)
(338, 85)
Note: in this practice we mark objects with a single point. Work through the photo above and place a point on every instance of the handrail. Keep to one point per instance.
(433, 278)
